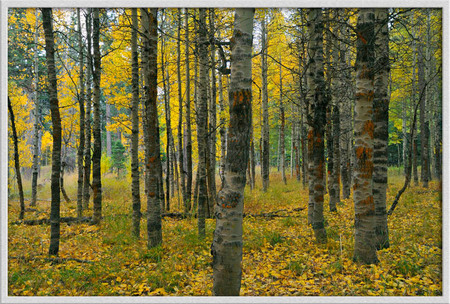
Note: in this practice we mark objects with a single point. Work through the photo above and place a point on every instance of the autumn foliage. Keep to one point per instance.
(280, 255)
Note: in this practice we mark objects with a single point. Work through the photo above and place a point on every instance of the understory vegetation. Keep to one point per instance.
(280, 254)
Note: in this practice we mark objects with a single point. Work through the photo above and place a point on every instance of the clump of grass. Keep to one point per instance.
(274, 237)
(288, 221)
(153, 255)
(297, 267)
(407, 268)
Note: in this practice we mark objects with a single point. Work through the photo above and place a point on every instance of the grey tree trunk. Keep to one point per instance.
(413, 99)
(317, 113)
(304, 106)
(212, 138)
(226, 248)
(252, 159)
(180, 117)
(328, 127)
(422, 117)
(346, 124)
(187, 201)
(336, 97)
(293, 144)
(108, 133)
(304, 147)
(202, 122)
(152, 157)
(87, 126)
(56, 124)
(135, 187)
(166, 86)
(438, 137)
(16, 160)
(97, 153)
(82, 120)
(223, 132)
(404, 136)
(265, 166)
(63, 167)
(36, 128)
(381, 124)
(365, 249)
(423, 122)
(282, 130)
(428, 93)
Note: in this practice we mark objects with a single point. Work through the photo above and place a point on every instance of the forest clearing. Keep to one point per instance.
(225, 152)
(280, 256)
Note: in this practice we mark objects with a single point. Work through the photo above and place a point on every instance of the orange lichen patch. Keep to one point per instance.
(320, 170)
(367, 202)
(360, 37)
(359, 152)
(310, 140)
(152, 194)
(370, 95)
(368, 128)
(367, 170)
(360, 94)
(364, 73)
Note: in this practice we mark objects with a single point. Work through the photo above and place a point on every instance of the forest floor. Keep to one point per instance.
(280, 256)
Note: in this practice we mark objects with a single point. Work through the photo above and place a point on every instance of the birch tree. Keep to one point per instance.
(135, 187)
(365, 250)
(381, 122)
(317, 104)
(152, 153)
(56, 123)
(97, 153)
(226, 248)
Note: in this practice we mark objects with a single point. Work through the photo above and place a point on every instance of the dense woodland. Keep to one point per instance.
(136, 135)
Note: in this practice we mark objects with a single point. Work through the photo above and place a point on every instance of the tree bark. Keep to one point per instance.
(36, 129)
(381, 124)
(166, 86)
(226, 248)
(365, 250)
(61, 175)
(135, 187)
(346, 125)
(212, 134)
(108, 133)
(282, 130)
(336, 98)
(223, 132)
(16, 160)
(187, 201)
(428, 94)
(87, 126)
(180, 117)
(82, 120)
(56, 123)
(154, 231)
(422, 117)
(202, 121)
(265, 168)
(97, 153)
(252, 160)
(317, 120)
